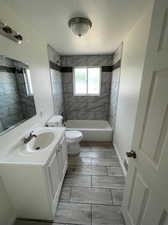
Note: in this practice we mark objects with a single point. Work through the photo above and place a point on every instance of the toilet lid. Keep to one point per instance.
(73, 134)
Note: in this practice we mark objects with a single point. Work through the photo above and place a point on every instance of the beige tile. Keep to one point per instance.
(73, 213)
(91, 195)
(82, 181)
(87, 170)
(106, 215)
(108, 182)
(115, 171)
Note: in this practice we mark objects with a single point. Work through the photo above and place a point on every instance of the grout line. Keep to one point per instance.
(107, 170)
(88, 203)
(70, 194)
(112, 188)
(99, 175)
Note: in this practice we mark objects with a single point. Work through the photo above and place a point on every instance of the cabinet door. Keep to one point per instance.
(54, 174)
(60, 161)
(64, 150)
(62, 156)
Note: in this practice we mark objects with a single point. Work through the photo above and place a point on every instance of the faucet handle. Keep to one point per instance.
(33, 134)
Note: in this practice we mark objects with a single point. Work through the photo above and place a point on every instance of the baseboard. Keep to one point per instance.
(120, 160)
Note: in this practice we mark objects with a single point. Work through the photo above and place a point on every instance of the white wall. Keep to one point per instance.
(134, 49)
(33, 52)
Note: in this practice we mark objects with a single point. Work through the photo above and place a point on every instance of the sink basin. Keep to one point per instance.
(38, 150)
(42, 141)
(46, 137)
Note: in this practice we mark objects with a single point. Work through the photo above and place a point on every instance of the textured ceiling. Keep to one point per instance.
(111, 19)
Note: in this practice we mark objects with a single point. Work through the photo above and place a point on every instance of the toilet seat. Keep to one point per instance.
(73, 136)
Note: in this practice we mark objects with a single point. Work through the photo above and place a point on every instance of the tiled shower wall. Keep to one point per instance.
(56, 81)
(115, 87)
(86, 107)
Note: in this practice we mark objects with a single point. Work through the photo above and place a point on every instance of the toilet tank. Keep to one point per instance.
(55, 121)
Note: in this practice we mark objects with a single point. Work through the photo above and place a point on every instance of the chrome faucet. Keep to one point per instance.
(27, 139)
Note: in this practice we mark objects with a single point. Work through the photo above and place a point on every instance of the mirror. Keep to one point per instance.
(16, 94)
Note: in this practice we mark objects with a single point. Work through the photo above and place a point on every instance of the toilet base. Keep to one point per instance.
(73, 148)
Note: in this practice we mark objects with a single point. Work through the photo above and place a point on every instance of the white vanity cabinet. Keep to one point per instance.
(56, 169)
(34, 188)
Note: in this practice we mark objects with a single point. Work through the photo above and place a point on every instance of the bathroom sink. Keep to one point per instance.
(42, 141)
(38, 150)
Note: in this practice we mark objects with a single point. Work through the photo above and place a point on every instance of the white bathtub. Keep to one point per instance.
(93, 130)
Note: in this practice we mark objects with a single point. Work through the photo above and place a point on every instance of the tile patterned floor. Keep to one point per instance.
(92, 191)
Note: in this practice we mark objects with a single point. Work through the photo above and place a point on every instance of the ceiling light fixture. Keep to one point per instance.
(8, 32)
(80, 25)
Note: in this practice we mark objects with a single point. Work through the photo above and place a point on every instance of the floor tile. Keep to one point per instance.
(106, 162)
(73, 213)
(87, 170)
(65, 194)
(91, 195)
(103, 148)
(85, 144)
(108, 182)
(115, 171)
(97, 154)
(85, 148)
(106, 215)
(117, 196)
(77, 161)
(28, 222)
(82, 181)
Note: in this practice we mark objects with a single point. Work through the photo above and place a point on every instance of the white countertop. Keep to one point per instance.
(18, 154)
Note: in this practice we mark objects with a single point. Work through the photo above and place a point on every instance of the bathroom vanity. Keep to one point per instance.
(33, 173)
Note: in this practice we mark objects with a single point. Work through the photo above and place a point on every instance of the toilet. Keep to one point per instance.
(73, 137)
